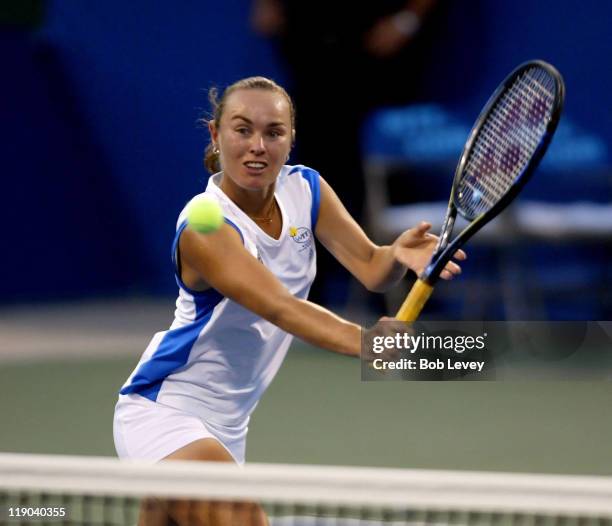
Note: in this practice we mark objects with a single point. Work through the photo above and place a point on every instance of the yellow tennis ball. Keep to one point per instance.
(204, 215)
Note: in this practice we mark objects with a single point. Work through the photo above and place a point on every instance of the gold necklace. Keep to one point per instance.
(268, 217)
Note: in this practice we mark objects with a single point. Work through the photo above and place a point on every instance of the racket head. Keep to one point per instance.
(508, 140)
(506, 144)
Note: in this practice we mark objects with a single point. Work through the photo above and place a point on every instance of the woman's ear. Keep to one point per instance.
(212, 128)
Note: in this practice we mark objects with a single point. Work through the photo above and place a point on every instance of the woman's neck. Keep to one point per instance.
(254, 203)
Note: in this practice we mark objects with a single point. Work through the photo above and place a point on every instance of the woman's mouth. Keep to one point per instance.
(255, 167)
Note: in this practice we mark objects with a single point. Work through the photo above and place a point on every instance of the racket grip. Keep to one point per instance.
(415, 301)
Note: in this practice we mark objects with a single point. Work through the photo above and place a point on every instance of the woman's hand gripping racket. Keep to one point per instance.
(505, 146)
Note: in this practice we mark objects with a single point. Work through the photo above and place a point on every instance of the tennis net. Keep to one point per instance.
(34, 489)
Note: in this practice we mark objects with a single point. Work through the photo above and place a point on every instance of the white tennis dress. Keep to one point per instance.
(204, 376)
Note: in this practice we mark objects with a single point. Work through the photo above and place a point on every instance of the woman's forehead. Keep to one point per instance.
(257, 105)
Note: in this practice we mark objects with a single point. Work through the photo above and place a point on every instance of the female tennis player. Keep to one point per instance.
(243, 289)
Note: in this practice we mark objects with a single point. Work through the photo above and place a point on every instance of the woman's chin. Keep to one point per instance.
(255, 182)
(251, 182)
(255, 185)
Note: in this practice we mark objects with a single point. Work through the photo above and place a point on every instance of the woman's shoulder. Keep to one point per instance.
(303, 186)
(298, 170)
(299, 175)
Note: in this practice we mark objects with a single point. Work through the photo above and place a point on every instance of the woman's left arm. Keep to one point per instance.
(376, 267)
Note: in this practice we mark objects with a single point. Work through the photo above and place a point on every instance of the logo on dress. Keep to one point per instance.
(303, 237)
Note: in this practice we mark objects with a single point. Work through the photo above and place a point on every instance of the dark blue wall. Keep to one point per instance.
(100, 143)
(99, 124)
(573, 35)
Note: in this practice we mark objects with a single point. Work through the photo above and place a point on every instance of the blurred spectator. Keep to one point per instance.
(343, 61)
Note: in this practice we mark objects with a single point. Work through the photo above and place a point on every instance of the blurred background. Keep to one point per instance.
(101, 146)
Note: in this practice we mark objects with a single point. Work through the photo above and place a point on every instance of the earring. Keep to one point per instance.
(216, 149)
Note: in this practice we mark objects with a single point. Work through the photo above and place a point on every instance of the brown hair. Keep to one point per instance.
(211, 157)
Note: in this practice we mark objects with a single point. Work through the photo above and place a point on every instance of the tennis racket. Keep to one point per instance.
(503, 149)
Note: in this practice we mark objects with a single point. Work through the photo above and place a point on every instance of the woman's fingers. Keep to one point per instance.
(421, 229)
(450, 270)
(460, 255)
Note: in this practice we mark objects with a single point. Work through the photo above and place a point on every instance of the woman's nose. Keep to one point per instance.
(257, 145)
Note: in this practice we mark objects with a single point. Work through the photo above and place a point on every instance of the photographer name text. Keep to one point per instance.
(425, 364)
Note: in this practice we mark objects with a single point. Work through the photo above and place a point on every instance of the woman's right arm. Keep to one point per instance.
(221, 260)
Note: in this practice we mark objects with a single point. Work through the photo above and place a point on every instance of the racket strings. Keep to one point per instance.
(506, 141)
(507, 125)
(505, 146)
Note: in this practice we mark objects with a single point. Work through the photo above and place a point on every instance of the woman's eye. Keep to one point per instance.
(242, 131)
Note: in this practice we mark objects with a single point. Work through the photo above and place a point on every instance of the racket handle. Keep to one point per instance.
(415, 301)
